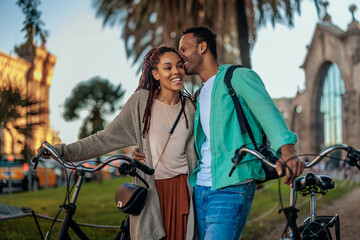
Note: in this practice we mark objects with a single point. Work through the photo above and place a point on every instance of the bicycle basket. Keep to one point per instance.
(130, 199)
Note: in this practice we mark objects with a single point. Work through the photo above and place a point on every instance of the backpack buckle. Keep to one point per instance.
(232, 92)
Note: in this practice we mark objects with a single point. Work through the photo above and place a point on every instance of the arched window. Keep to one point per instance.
(331, 106)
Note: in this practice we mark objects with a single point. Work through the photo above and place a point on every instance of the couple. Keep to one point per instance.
(194, 165)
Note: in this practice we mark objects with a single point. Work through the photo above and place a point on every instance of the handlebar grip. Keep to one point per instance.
(35, 160)
(147, 170)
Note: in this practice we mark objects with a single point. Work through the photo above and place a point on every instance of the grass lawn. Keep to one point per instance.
(96, 205)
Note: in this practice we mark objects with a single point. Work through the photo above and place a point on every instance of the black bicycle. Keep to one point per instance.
(126, 165)
(314, 227)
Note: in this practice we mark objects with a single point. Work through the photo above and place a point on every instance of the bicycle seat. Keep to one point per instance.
(311, 179)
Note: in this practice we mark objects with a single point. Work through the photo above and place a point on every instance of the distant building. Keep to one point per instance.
(327, 111)
(31, 72)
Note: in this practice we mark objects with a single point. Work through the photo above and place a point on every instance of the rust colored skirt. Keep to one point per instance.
(174, 202)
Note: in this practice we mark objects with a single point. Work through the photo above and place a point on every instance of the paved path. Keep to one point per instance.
(348, 209)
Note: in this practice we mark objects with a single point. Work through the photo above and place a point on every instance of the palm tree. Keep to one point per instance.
(14, 109)
(151, 23)
(33, 25)
(98, 97)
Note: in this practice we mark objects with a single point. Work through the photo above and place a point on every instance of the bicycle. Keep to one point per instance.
(127, 166)
(314, 227)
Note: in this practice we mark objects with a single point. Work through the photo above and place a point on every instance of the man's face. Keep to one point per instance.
(188, 49)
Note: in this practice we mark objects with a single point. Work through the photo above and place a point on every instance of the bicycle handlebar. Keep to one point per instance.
(48, 149)
(352, 153)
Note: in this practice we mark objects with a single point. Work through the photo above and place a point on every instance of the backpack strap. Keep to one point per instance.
(239, 111)
(196, 94)
(244, 124)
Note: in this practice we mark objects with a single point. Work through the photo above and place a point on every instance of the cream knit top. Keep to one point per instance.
(173, 161)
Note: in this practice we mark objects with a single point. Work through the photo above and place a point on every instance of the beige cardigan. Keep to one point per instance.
(125, 130)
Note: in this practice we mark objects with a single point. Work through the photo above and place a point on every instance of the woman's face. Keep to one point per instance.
(170, 72)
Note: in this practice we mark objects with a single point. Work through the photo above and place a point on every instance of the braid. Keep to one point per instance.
(148, 82)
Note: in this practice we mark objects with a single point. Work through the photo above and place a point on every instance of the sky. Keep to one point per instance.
(84, 49)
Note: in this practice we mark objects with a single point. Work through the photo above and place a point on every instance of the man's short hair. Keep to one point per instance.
(205, 34)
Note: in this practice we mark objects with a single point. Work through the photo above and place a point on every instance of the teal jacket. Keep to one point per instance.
(225, 135)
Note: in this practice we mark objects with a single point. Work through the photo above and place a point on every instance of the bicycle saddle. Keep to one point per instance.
(311, 179)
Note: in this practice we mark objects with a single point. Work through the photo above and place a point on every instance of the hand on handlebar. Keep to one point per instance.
(288, 156)
(138, 156)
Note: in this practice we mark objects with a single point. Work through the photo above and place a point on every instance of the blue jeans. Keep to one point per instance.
(222, 213)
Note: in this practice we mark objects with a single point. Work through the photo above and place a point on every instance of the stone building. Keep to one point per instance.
(327, 111)
(31, 72)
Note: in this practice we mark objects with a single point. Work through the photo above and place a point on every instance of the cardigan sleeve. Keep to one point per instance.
(121, 132)
(251, 88)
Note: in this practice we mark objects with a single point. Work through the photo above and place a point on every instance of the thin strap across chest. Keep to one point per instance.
(170, 133)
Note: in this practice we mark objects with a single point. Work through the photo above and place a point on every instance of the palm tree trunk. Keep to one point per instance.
(243, 32)
(12, 140)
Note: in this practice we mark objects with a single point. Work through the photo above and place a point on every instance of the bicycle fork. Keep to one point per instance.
(70, 212)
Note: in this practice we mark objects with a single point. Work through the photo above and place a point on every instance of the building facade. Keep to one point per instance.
(31, 72)
(327, 111)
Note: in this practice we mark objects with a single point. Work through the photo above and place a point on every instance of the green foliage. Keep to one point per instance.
(98, 97)
(32, 23)
(148, 24)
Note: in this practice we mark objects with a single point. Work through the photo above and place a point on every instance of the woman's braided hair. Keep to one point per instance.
(148, 82)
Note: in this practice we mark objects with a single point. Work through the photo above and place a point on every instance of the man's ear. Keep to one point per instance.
(202, 47)
(155, 74)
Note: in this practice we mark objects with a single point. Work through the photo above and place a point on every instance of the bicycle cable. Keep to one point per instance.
(66, 199)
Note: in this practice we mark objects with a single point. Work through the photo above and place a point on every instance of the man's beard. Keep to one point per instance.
(193, 63)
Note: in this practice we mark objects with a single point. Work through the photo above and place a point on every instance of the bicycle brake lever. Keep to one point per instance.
(238, 156)
(124, 169)
(354, 157)
(35, 160)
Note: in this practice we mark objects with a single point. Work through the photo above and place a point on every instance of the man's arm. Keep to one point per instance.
(293, 163)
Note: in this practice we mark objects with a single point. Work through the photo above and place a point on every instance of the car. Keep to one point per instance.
(17, 171)
(14, 170)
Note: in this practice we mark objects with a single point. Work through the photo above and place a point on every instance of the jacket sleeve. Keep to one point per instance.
(121, 132)
(250, 87)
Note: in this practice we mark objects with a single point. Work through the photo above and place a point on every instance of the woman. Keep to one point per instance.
(145, 121)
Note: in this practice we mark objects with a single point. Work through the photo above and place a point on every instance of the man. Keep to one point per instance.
(223, 203)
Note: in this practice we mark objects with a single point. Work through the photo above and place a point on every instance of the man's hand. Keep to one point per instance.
(296, 165)
(139, 156)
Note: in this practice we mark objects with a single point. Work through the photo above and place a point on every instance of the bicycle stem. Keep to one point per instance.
(77, 188)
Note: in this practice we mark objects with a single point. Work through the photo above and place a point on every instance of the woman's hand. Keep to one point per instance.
(138, 156)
